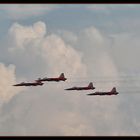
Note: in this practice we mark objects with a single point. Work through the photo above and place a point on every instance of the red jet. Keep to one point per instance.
(89, 87)
(36, 83)
(112, 92)
(60, 78)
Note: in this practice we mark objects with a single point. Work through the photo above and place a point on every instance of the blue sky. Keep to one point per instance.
(96, 43)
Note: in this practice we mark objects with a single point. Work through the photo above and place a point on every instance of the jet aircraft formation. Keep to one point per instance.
(39, 82)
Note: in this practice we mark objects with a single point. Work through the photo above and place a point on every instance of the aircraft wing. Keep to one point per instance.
(69, 89)
(73, 88)
(91, 94)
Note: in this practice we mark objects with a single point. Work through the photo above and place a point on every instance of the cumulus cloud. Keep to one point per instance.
(32, 43)
(50, 110)
(56, 55)
(22, 11)
(62, 57)
(100, 63)
(22, 36)
(8, 78)
(68, 36)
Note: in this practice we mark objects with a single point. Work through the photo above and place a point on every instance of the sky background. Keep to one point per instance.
(97, 43)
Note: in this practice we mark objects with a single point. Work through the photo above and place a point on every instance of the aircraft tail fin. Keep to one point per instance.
(62, 75)
(113, 89)
(39, 79)
(91, 85)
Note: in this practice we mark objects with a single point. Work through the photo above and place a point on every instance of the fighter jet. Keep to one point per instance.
(36, 83)
(89, 87)
(112, 92)
(60, 78)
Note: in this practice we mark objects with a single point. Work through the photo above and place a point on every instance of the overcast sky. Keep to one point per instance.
(97, 43)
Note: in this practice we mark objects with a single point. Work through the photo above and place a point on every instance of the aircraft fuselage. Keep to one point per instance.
(29, 84)
(80, 88)
(103, 93)
(53, 79)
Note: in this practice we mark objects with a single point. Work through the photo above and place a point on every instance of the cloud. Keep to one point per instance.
(116, 17)
(97, 56)
(8, 78)
(99, 8)
(56, 55)
(22, 36)
(122, 41)
(107, 9)
(50, 110)
(68, 36)
(23, 11)
(41, 111)
(62, 57)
